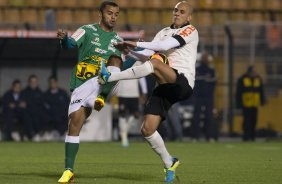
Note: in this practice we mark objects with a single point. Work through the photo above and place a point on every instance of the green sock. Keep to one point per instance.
(106, 89)
(71, 150)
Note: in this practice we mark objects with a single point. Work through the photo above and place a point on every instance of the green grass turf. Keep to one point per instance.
(108, 163)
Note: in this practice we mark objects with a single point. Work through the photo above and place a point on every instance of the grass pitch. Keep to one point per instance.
(109, 163)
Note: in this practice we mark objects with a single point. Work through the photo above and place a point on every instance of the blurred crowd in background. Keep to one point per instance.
(30, 114)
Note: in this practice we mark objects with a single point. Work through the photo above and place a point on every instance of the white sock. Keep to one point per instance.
(130, 121)
(124, 138)
(122, 124)
(113, 69)
(135, 72)
(123, 129)
(157, 144)
(72, 139)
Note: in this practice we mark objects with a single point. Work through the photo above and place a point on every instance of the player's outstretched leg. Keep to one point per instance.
(170, 172)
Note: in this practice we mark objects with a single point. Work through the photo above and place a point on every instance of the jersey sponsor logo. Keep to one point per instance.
(113, 41)
(111, 45)
(101, 51)
(78, 34)
(186, 32)
(96, 41)
(75, 101)
(112, 48)
(118, 38)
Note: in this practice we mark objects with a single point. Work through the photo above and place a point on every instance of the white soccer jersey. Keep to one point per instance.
(182, 58)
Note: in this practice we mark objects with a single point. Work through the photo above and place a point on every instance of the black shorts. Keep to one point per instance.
(165, 95)
(128, 105)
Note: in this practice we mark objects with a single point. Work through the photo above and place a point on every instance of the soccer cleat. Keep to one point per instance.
(99, 103)
(104, 74)
(170, 172)
(67, 177)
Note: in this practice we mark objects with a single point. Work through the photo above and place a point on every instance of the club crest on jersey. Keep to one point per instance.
(101, 51)
(96, 41)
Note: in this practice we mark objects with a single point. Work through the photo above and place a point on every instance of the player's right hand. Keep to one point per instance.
(61, 34)
(124, 47)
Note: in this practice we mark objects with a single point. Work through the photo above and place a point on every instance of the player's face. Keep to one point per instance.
(109, 16)
(181, 14)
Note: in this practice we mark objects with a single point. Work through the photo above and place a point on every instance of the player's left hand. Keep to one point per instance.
(61, 34)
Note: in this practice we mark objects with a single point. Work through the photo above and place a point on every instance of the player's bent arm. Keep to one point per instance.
(68, 43)
(162, 45)
(75, 40)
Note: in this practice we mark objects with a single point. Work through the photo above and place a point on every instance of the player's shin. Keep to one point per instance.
(157, 144)
(71, 149)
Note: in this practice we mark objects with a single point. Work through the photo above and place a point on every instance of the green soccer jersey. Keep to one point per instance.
(94, 45)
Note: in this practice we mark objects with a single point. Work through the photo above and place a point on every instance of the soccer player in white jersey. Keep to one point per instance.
(176, 79)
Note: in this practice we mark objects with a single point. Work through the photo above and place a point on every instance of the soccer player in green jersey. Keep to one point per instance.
(95, 44)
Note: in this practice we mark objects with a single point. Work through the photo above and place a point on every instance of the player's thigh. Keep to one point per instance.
(84, 95)
(163, 72)
(77, 119)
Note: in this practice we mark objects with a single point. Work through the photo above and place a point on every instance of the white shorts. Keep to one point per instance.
(85, 95)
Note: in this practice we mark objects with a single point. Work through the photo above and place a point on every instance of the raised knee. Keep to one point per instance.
(159, 58)
(155, 62)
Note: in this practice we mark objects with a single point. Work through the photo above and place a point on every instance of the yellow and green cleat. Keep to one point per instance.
(67, 177)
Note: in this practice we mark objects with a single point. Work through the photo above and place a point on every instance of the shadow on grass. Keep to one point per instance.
(110, 175)
(121, 176)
